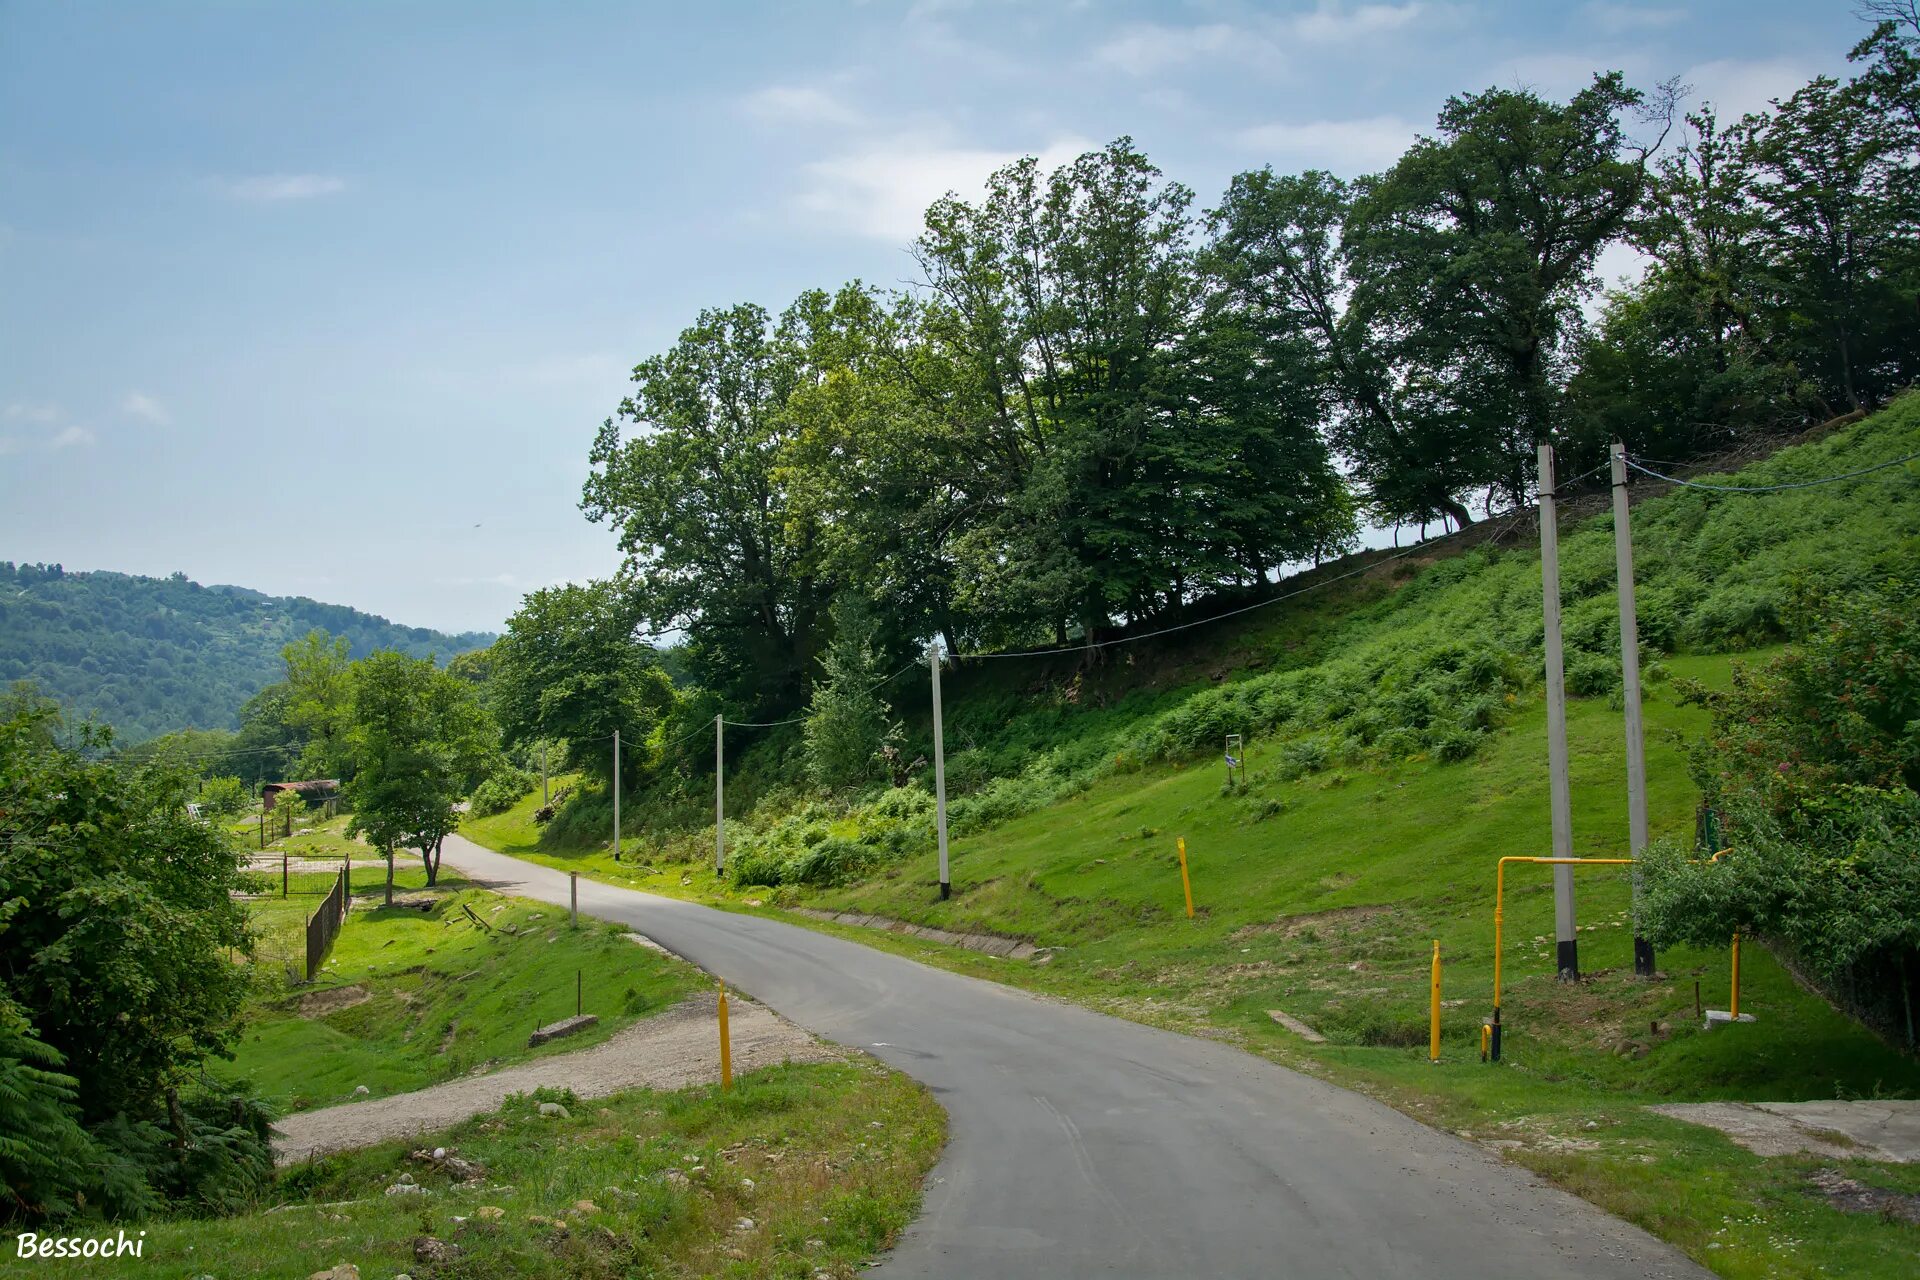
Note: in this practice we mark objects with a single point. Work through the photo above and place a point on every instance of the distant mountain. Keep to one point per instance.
(150, 655)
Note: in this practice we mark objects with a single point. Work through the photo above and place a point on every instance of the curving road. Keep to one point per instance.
(1086, 1146)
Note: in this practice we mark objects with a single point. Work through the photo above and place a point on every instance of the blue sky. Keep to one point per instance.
(329, 299)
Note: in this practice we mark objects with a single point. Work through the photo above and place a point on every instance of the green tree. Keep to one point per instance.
(420, 741)
(703, 514)
(847, 720)
(319, 703)
(1814, 762)
(1834, 186)
(118, 921)
(570, 668)
(1470, 256)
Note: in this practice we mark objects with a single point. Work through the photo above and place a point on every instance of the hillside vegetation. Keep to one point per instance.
(1397, 748)
(149, 655)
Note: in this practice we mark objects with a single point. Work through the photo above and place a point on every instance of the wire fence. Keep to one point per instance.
(323, 926)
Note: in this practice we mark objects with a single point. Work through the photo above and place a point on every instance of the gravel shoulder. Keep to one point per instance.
(670, 1050)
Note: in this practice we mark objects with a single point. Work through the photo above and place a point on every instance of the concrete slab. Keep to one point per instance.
(1296, 1026)
(1882, 1130)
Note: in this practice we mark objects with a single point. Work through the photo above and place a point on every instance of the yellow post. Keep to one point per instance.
(1433, 1032)
(726, 1048)
(1735, 1010)
(1185, 883)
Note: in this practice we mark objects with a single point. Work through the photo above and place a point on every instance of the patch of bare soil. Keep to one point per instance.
(1340, 919)
(318, 1004)
(1849, 1196)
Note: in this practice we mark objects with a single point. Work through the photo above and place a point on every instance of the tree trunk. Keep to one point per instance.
(389, 877)
(433, 862)
(1459, 513)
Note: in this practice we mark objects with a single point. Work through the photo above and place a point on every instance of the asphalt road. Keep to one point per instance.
(1083, 1145)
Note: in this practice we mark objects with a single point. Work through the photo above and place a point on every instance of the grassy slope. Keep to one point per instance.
(836, 1152)
(1328, 906)
(444, 996)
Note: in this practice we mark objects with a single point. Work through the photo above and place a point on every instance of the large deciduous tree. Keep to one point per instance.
(704, 516)
(571, 668)
(1469, 257)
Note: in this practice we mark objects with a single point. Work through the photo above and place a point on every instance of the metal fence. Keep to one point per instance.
(323, 926)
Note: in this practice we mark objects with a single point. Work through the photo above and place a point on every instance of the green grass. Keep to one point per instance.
(1322, 894)
(514, 831)
(836, 1153)
(442, 995)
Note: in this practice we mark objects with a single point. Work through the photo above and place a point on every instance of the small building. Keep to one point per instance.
(315, 791)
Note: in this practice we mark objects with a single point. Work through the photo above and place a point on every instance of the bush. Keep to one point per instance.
(1814, 763)
(1591, 675)
(503, 789)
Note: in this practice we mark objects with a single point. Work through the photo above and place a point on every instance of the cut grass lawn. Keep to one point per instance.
(639, 1184)
(409, 997)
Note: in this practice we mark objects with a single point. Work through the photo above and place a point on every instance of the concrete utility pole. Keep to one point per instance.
(1630, 688)
(1565, 933)
(939, 769)
(616, 795)
(719, 794)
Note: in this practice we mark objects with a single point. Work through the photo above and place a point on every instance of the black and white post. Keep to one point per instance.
(1565, 931)
(616, 795)
(1630, 689)
(719, 794)
(939, 769)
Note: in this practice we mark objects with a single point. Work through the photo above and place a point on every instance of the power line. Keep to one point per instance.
(1773, 488)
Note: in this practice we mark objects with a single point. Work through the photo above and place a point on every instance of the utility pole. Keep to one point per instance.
(939, 769)
(616, 795)
(719, 793)
(1630, 688)
(1566, 934)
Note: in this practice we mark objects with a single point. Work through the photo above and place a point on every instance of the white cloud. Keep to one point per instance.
(21, 411)
(1346, 146)
(1144, 48)
(1330, 22)
(799, 105)
(279, 187)
(140, 405)
(1147, 47)
(71, 438)
(1735, 87)
(883, 189)
(1615, 18)
(10, 444)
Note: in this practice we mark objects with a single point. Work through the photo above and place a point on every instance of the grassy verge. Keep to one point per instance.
(1322, 896)
(414, 994)
(800, 1170)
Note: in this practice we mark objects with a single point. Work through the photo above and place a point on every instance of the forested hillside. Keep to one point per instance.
(149, 655)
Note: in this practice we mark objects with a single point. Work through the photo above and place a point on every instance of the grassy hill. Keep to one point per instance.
(150, 655)
(1397, 750)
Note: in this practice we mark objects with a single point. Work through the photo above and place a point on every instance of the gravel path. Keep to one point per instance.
(667, 1051)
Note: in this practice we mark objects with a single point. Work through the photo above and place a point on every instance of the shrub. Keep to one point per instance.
(1591, 675)
(502, 790)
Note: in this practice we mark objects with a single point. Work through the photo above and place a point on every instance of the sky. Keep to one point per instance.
(329, 299)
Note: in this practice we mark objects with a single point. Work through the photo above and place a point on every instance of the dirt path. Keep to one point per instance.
(667, 1051)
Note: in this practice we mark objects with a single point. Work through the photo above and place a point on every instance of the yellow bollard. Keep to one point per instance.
(1433, 1032)
(1185, 881)
(726, 1048)
(1734, 1010)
